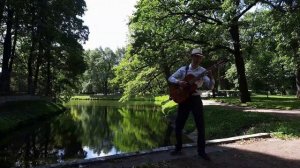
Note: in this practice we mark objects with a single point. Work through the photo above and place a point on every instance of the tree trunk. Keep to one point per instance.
(38, 64)
(49, 74)
(105, 86)
(167, 72)
(30, 69)
(239, 63)
(13, 52)
(30, 60)
(5, 75)
(298, 82)
(2, 5)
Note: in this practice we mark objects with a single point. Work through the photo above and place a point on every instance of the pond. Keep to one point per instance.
(88, 129)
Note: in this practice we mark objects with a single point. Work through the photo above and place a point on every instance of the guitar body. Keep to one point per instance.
(179, 94)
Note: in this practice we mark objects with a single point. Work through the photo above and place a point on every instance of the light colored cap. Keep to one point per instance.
(197, 51)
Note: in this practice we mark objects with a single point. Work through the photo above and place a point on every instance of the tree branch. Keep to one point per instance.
(247, 9)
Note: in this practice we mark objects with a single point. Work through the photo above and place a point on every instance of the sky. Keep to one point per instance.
(107, 21)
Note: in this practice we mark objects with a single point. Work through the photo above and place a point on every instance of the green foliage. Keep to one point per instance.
(162, 32)
(136, 78)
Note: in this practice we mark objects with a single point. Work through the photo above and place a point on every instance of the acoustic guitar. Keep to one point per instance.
(179, 94)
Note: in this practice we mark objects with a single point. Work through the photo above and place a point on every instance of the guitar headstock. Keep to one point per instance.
(220, 63)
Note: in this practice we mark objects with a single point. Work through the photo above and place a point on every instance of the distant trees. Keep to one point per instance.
(41, 40)
(100, 63)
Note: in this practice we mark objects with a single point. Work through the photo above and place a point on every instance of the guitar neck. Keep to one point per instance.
(206, 71)
(198, 77)
(202, 75)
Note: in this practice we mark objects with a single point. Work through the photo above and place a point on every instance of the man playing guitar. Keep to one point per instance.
(193, 101)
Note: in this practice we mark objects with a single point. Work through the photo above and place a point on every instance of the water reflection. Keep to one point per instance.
(90, 129)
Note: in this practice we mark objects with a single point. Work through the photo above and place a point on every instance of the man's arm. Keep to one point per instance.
(176, 77)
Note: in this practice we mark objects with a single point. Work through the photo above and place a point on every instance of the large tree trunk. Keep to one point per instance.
(5, 75)
(239, 63)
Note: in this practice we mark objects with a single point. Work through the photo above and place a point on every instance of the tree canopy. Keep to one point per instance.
(162, 33)
(41, 52)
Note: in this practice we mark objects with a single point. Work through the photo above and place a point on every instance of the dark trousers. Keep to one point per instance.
(193, 104)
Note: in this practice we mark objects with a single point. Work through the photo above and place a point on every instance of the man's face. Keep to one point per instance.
(197, 59)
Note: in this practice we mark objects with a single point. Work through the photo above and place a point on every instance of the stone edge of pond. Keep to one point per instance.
(82, 162)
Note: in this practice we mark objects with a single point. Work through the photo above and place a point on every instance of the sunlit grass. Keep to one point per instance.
(264, 101)
(112, 97)
(222, 123)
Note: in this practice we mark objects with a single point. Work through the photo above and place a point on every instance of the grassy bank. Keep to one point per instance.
(15, 114)
(111, 97)
(221, 122)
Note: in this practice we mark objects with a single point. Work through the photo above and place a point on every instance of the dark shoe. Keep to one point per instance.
(204, 156)
(176, 153)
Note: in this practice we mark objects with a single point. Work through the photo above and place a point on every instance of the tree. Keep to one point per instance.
(12, 14)
(216, 26)
(286, 16)
(152, 54)
(100, 70)
(46, 36)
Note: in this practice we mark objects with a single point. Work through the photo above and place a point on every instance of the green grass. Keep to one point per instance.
(95, 97)
(17, 113)
(111, 97)
(222, 123)
(262, 101)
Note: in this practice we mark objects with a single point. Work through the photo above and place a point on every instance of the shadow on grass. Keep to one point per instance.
(221, 122)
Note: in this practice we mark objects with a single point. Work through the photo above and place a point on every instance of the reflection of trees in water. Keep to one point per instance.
(96, 132)
(139, 130)
(66, 133)
(42, 145)
(132, 128)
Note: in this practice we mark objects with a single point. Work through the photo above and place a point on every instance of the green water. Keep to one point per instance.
(88, 129)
